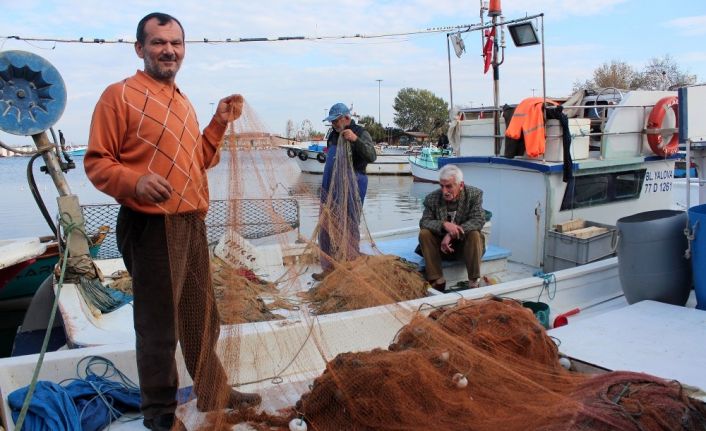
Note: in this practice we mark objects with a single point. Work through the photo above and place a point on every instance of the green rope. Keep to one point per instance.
(548, 279)
(70, 226)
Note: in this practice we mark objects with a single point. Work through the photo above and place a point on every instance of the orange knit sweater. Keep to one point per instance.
(142, 126)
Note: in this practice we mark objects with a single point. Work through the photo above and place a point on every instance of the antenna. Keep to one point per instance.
(457, 42)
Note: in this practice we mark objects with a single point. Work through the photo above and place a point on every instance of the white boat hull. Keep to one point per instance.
(423, 174)
(385, 164)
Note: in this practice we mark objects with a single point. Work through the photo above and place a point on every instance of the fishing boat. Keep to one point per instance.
(425, 165)
(311, 158)
(77, 150)
(528, 199)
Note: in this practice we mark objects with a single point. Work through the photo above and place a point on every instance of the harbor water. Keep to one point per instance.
(392, 201)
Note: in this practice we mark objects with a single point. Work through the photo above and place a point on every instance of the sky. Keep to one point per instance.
(299, 80)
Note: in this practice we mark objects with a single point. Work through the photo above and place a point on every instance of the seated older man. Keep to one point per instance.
(450, 227)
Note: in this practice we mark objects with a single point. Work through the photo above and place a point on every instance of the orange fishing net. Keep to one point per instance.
(477, 365)
(365, 282)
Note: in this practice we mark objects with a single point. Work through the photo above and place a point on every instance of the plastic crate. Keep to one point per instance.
(553, 264)
(565, 251)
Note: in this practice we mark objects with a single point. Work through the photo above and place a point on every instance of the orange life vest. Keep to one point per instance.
(528, 121)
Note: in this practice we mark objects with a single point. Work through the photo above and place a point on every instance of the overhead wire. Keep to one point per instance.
(205, 40)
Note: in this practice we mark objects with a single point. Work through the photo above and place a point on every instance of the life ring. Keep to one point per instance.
(321, 157)
(303, 156)
(654, 121)
(291, 152)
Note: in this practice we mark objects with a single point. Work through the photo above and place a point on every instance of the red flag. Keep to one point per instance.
(488, 48)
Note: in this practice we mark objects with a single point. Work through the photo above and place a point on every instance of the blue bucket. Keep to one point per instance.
(697, 221)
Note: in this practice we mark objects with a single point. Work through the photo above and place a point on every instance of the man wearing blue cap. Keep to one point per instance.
(343, 188)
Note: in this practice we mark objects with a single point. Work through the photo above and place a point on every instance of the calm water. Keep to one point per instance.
(391, 202)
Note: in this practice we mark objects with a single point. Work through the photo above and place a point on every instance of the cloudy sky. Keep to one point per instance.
(299, 80)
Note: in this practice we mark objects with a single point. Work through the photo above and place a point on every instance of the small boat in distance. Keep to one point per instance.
(76, 150)
(425, 165)
(311, 158)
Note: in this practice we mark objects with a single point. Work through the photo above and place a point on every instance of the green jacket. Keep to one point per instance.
(469, 214)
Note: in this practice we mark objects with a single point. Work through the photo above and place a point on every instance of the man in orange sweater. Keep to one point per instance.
(146, 150)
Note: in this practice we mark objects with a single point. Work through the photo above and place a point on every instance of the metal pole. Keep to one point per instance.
(451, 90)
(379, 117)
(496, 88)
(544, 74)
(41, 140)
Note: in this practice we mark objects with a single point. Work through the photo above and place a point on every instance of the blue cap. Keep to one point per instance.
(338, 110)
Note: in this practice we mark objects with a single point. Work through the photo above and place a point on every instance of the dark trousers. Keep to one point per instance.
(469, 249)
(165, 311)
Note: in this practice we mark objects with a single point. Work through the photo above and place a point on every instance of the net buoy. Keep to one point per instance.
(297, 424)
(460, 380)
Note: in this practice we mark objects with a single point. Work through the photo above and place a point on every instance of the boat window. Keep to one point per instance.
(591, 190)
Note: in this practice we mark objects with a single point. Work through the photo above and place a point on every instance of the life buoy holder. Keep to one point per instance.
(303, 156)
(655, 120)
(321, 157)
(291, 152)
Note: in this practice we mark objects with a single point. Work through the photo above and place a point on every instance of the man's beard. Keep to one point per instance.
(155, 70)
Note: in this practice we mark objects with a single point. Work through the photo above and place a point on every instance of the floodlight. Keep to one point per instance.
(523, 34)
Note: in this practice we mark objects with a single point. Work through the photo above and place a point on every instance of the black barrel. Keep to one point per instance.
(651, 259)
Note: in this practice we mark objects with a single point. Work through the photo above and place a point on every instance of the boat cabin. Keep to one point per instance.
(617, 176)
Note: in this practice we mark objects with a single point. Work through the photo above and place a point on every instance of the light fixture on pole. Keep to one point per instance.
(523, 34)
(379, 119)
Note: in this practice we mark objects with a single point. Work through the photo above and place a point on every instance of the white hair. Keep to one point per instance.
(451, 171)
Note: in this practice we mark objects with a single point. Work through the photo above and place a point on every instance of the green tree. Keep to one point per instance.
(377, 132)
(420, 110)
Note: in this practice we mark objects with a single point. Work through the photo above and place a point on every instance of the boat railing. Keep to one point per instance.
(251, 218)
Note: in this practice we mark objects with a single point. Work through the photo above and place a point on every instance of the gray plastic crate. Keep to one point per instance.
(565, 251)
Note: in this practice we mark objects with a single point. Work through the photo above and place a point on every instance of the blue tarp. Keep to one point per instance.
(76, 406)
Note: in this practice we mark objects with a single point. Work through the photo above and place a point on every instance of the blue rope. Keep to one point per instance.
(548, 279)
(102, 384)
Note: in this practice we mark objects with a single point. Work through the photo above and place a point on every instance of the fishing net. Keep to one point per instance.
(360, 350)
(385, 280)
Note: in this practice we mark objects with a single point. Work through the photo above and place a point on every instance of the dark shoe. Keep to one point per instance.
(319, 276)
(439, 284)
(236, 400)
(165, 422)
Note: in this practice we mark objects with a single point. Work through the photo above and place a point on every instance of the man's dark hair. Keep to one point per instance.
(162, 19)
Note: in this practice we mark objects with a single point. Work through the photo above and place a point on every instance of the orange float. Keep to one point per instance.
(655, 120)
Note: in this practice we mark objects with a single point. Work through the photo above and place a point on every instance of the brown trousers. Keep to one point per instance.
(164, 311)
(470, 249)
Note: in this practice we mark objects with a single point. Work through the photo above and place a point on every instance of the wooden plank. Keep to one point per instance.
(587, 232)
(570, 225)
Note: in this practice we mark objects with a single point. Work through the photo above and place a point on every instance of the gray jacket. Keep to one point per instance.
(469, 214)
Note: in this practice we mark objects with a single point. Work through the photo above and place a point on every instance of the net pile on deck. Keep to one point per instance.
(365, 282)
(486, 365)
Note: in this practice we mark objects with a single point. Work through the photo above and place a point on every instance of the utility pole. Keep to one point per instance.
(212, 103)
(379, 119)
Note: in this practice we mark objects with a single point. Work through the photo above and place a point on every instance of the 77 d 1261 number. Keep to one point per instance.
(657, 187)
